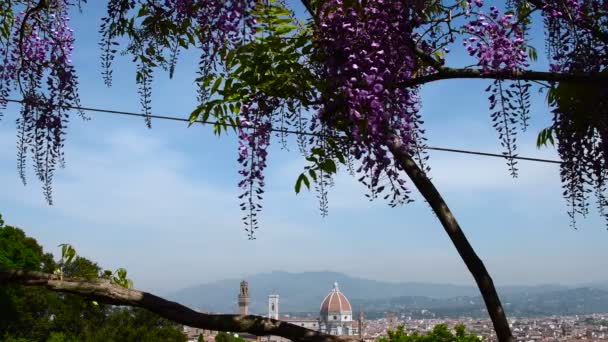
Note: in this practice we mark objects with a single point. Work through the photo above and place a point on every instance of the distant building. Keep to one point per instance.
(244, 299)
(361, 325)
(273, 306)
(337, 314)
(391, 321)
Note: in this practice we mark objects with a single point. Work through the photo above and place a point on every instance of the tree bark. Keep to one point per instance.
(446, 73)
(103, 290)
(452, 228)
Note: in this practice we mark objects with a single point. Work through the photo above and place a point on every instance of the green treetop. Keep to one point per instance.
(440, 333)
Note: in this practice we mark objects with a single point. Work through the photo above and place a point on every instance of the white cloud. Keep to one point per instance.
(453, 173)
(136, 178)
(134, 199)
(130, 199)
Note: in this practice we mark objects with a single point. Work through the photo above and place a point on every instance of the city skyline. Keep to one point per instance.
(554, 328)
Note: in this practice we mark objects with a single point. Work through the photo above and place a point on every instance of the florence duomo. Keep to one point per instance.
(335, 315)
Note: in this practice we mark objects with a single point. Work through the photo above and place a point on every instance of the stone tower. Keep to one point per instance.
(244, 299)
(391, 321)
(273, 306)
(361, 325)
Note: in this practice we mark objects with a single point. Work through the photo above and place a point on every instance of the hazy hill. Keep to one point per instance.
(303, 292)
(576, 301)
(598, 285)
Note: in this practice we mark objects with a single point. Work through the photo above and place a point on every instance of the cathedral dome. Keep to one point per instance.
(335, 302)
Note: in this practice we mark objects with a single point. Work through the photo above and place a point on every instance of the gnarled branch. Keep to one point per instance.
(452, 228)
(308, 5)
(528, 75)
(103, 290)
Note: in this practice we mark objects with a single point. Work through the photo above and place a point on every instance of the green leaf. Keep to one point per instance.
(143, 10)
(340, 157)
(545, 136)
(230, 57)
(532, 53)
(122, 273)
(318, 151)
(216, 85)
(195, 114)
(313, 174)
(579, 100)
(71, 253)
(302, 179)
(190, 38)
(284, 29)
(328, 165)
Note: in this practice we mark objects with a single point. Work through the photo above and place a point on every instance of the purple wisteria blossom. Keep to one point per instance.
(37, 62)
(254, 140)
(497, 41)
(363, 62)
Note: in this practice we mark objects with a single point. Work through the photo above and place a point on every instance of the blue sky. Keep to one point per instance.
(163, 202)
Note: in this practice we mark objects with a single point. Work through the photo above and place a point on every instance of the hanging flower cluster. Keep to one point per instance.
(255, 82)
(254, 140)
(36, 61)
(497, 41)
(580, 118)
(167, 27)
(365, 51)
(213, 26)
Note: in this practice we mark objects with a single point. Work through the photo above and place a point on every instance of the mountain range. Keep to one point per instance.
(303, 293)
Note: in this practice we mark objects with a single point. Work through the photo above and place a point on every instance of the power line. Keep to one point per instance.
(287, 131)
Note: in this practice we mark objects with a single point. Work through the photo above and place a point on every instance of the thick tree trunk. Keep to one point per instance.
(103, 290)
(464, 248)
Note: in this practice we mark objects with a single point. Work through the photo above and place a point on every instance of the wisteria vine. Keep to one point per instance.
(580, 111)
(497, 42)
(166, 27)
(339, 78)
(36, 61)
(362, 61)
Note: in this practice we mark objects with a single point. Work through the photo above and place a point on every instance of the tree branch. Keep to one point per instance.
(452, 228)
(453, 73)
(310, 10)
(429, 60)
(103, 290)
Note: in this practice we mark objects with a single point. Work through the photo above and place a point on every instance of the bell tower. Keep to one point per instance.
(391, 321)
(273, 306)
(244, 299)
(361, 325)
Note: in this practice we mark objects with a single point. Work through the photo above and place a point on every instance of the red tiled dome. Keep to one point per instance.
(335, 301)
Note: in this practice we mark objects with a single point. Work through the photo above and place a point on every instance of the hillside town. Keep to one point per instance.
(562, 328)
(336, 317)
